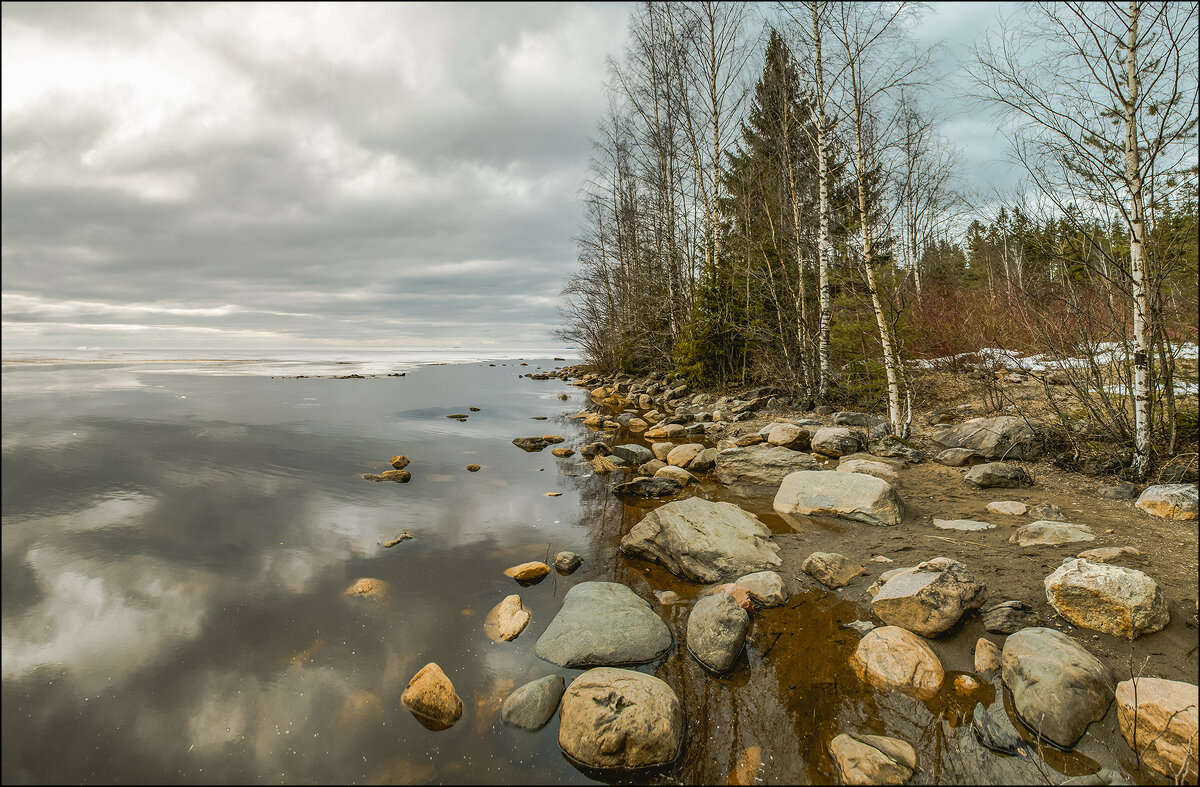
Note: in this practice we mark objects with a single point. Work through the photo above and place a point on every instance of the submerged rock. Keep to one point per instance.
(603, 623)
(703, 541)
(872, 759)
(620, 719)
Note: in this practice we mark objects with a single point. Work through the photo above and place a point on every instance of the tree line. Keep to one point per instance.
(773, 199)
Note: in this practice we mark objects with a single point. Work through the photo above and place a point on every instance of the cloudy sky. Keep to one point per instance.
(283, 175)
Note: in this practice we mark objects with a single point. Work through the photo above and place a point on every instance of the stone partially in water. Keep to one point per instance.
(831, 569)
(647, 488)
(1120, 601)
(531, 706)
(930, 598)
(872, 759)
(399, 461)
(765, 588)
(603, 623)
(567, 562)
(532, 571)
(892, 658)
(620, 719)
(995, 731)
(399, 476)
(506, 620)
(1057, 687)
(1159, 719)
(716, 631)
(431, 698)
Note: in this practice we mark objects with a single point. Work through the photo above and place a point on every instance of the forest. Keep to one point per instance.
(774, 199)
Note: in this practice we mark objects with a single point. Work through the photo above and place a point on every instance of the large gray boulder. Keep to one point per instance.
(997, 474)
(1058, 688)
(716, 631)
(531, 706)
(758, 467)
(1001, 437)
(1169, 501)
(1120, 601)
(703, 541)
(620, 719)
(603, 623)
(633, 453)
(930, 598)
(835, 441)
(855, 496)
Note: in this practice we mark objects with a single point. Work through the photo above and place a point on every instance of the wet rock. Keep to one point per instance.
(1122, 491)
(930, 598)
(759, 467)
(860, 626)
(603, 465)
(431, 698)
(682, 455)
(399, 461)
(534, 443)
(506, 620)
(1001, 437)
(603, 623)
(704, 461)
(563, 453)
(765, 588)
(1159, 719)
(1169, 501)
(1047, 512)
(528, 572)
(959, 457)
(405, 536)
(399, 476)
(831, 569)
(473, 468)
(872, 759)
(593, 450)
(834, 441)
(746, 769)
(997, 474)
(567, 562)
(789, 436)
(1108, 554)
(660, 450)
(965, 684)
(530, 707)
(995, 731)
(716, 631)
(1010, 507)
(987, 657)
(892, 658)
(620, 719)
(651, 467)
(877, 469)
(703, 541)
(633, 454)
(1104, 776)
(1009, 617)
(647, 488)
(962, 524)
(1045, 533)
(1120, 601)
(1057, 687)
(637, 425)
(854, 496)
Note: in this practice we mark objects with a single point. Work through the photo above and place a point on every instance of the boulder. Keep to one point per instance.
(958, 457)
(831, 569)
(1169, 501)
(703, 461)
(892, 658)
(877, 469)
(872, 759)
(930, 598)
(681, 455)
(620, 719)
(593, 450)
(651, 467)
(1158, 719)
(567, 562)
(1057, 687)
(633, 453)
(678, 474)
(431, 698)
(765, 588)
(987, 656)
(1046, 533)
(962, 524)
(997, 474)
(530, 707)
(1009, 617)
(660, 450)
(1010, 507)
(789, 436)
(603, 623)
(1001, 437)
(759, 467)
(703, 541)
(716, 631)
(506, 620)
(1120, 601)
(739, 594)
(834, 441)
(855, 496)
(895, 447)
(528, 572)
(647, 488)
(845, 418)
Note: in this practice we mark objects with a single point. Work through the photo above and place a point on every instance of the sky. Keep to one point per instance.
(307, 175)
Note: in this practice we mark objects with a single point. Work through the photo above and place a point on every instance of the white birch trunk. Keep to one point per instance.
(825, 289)
(1137, 260)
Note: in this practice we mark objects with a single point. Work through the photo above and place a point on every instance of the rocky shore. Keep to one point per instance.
(958, 527)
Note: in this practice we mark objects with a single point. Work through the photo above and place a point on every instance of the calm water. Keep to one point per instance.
(178, 537)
